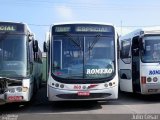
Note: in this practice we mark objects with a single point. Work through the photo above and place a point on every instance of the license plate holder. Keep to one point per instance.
(83, 93)
(15, 98)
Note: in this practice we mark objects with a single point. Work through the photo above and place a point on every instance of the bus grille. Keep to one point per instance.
(91, 96)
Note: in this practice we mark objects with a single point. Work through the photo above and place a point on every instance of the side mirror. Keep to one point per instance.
(35, 46)
(30, 37)
(45, 47)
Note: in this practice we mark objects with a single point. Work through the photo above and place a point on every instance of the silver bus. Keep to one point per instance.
(20, 63)
(82, 62)
(139, 61)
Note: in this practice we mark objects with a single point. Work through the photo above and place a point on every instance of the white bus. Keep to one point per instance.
(82, 62)
(20, 63)
(139, 63)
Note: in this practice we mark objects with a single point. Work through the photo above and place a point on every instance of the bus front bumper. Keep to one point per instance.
(72, 95)
(9, 97)
(150, 89)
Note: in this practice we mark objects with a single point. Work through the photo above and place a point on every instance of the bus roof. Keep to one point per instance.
(139, 32)
(76, 22)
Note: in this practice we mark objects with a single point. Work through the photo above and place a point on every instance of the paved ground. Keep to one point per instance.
(125, 107)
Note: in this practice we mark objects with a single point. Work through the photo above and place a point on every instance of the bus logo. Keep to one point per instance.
(99, 71)
(77, 87)
(154, 72)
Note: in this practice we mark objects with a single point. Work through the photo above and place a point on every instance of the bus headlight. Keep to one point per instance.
(105, 85)
(19, 89)
(110, 84)
(61, 86)
(57, 85)
(11, 90)
(149, 79)
(155, 79)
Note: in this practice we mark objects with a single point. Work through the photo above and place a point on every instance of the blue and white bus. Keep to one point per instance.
(20, 63)
(82, 62)
(139, 62)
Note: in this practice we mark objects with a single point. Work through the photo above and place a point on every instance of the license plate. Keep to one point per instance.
(15, 98)
(83, 93)
(152, 90)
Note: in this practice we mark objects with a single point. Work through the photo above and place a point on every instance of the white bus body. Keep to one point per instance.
(74, 71)
(139, 67)
(20, 63)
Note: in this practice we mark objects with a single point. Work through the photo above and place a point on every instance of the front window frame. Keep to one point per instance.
(85, 80)
(141, 48)
(25, 58)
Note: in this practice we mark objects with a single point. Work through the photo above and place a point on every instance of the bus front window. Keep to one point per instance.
(12, 55)
(151, 52)
(99, 55)
(83, 57)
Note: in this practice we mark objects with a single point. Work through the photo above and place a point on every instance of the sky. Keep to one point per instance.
(126, 15)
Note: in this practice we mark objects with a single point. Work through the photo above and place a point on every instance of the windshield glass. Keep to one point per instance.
(151, 52)
(81, 57)
(12, 55)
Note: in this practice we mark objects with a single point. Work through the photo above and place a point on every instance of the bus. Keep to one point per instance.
(82, 62)
(139, 61)
(20, 63)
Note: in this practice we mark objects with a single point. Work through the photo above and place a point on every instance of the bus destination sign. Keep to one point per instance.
(80, 28)
(7, 28)
(62, 29)
(92, 29)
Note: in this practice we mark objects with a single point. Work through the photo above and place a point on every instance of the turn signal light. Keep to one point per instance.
(143, 80)
(24, 89)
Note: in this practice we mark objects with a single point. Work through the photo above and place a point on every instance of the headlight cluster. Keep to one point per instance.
(154, 79)
(57, 85)
(17, 89)
(110, 84)
(13, 90)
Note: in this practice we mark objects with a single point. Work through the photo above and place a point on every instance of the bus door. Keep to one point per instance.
(135, 65)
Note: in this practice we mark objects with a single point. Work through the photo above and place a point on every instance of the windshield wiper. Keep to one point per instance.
(94, 42)
(73, 40)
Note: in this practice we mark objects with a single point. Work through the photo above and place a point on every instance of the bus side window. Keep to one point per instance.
(31, 56)
(125, 51)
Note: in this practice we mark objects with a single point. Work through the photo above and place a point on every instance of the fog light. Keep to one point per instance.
(149, 79)
(19, 89)
(155, 79)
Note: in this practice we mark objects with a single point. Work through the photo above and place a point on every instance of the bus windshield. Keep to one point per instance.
(151, 46)
(12, 55)
(83, 56)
